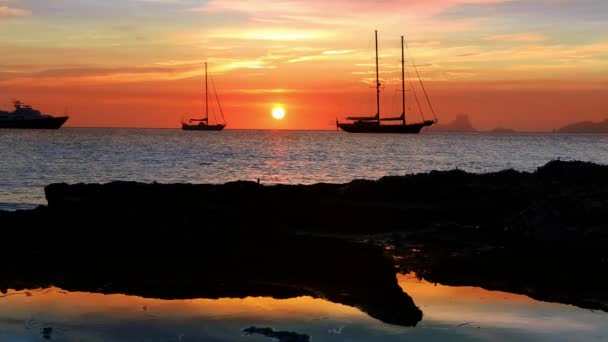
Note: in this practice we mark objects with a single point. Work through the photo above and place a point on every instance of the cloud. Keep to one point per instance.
(518, 38)
(331, 8)
(264, 91)
(332, 12)
(162, 1)
(180, 62)
(336, 25)
(6, 11)
(267, 34)
(217, 65)
(340, 55)
(533, 13)
(245, 64)
(97, 71)
(337, 52)
(98, 75)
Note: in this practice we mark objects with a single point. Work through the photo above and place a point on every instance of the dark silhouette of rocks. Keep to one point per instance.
(551, 248)
(541, 233)
(47, 333)
(197, 264)
(462, 123)
(559, 199)
(281, 336)
(568, 273)
(585, 127)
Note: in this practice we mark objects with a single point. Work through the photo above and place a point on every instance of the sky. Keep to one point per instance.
(531, 65)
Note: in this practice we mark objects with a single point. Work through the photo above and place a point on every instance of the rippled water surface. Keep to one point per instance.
(31, 159)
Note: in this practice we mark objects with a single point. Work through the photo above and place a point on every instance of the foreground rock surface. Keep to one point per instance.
(543, 234)
(217, 266)
(559, 200)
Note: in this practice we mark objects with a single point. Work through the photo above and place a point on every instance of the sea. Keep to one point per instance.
(32, 159)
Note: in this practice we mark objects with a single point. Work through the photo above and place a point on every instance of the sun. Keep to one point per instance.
(278, 112)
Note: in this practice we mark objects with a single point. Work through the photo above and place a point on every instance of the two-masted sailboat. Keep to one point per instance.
(203, 123)
(374, 124)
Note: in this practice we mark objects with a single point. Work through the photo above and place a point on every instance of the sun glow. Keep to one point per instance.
(278, 113)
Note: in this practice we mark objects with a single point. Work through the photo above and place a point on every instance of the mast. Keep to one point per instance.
(206, 96)
(403, 80)
(377, 80)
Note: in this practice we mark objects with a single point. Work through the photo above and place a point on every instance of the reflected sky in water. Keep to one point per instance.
(450, 313)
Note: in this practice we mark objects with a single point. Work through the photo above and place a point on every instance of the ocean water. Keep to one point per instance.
(29, 160)
(32, 159)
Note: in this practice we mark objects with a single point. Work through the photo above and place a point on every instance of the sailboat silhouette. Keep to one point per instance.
(373, 124)
(203, 123)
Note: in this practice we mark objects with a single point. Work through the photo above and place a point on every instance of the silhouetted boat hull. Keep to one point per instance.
(374, 127)
(203, 127)
(43, 123)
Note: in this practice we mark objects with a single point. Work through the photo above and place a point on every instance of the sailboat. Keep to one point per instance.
(373, 124)
(203, 123)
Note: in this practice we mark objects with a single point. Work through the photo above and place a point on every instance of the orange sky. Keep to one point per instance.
(139, 63)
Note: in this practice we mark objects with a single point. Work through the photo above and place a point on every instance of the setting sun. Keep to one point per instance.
(278, 113)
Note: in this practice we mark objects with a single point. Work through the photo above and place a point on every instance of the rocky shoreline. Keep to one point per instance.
(561, 200)
(543, 234)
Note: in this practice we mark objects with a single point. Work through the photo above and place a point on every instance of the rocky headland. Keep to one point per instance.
(585, 127)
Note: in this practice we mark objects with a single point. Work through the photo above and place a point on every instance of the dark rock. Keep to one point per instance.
(183, 240)
(397, 203)
(47, 333)
(220, 266)
(281, 336)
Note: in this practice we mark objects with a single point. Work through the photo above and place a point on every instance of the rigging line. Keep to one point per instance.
(415, 95)
(370, 58)
(421, 84)
(217, 96)
(213, 112)
(394, 99)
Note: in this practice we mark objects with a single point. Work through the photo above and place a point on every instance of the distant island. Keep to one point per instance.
(585, 127)
(462, 123)
(502, 130)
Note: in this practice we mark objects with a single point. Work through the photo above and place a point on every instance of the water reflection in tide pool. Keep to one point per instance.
(450, 313)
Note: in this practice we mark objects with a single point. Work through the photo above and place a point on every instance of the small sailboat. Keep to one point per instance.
(373, 124)
(202, 124)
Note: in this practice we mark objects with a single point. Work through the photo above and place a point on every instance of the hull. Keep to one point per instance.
(45, 123)
(359, 127)
(187, 127)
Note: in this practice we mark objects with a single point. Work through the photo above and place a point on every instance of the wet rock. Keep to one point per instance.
(281, 336)
(47, 333)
